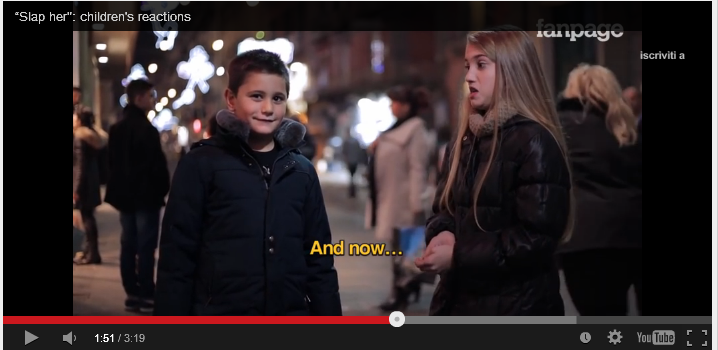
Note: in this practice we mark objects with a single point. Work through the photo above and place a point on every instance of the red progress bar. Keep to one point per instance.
(195, 320)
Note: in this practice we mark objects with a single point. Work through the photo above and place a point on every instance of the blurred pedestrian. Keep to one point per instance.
(211, 128)
(77, 106)
(86, 182)
(503, 200)
(353, 156)
(308, 148)
(246, 211)
(604, 257)
(397, 181)
(137, 186)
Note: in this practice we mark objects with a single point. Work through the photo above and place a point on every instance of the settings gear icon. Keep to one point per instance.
(614, 337)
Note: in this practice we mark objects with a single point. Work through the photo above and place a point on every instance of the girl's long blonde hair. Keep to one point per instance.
(597, 86)
(520, 83)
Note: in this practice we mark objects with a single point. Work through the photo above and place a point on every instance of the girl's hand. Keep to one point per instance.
(438, 254)
(443, 238)
(437, 259)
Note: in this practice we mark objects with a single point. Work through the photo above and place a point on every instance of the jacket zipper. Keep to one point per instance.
(266, 203)
(266, 198)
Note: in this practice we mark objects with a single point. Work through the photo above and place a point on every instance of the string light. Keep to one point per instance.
(182, 136)
(165, 120)
(282, 47)
(196, 70)
(166, 33)
(136, 72)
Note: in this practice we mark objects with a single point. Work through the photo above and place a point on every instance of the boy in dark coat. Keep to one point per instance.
(245, 210)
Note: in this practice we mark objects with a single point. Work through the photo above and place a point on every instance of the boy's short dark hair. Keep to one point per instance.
(136, 88)
(255, 61)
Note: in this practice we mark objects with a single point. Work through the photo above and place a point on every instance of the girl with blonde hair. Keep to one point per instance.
(603, 259)
(503, 203)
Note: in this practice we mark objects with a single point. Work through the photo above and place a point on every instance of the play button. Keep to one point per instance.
(29, 337)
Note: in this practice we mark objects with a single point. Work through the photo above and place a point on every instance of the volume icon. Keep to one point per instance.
(69, 338)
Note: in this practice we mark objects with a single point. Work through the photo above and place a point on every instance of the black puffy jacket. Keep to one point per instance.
(233, 244)
(507, 268)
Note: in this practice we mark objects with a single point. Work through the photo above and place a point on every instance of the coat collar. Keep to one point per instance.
(402, 133)
(133, 111)
(576, 105)
(290, 134)
(484, 124)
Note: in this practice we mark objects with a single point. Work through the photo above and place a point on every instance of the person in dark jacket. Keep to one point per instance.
(353, 155)
(246, 210)
(86, 182)
(308, 148)
(503, 202)
(137, 185)
(211, 127)
(604, 257)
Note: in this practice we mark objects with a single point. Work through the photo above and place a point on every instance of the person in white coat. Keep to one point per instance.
(398, 172)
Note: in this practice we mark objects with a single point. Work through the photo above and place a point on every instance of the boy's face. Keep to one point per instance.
(261, 102)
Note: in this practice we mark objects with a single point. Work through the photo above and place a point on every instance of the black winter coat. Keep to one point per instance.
(608, 181)
(236, 244)
(508, 269)
(138, 178)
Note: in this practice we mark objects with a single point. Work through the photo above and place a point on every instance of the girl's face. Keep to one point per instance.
(261, 101)
(75, 122)
(480, 76)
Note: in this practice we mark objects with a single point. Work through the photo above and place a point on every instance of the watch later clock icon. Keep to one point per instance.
(585, 337)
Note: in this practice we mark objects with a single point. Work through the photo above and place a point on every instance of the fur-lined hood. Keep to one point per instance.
(93, 138)
(290, 134)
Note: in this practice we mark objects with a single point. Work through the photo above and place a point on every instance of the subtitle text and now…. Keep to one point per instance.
(26, 16)
(353, 249)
